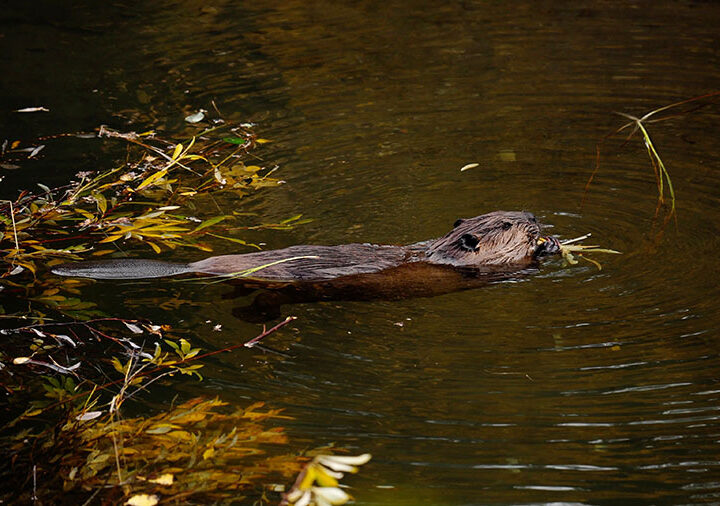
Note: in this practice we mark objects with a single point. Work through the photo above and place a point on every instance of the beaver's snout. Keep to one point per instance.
(547, 245)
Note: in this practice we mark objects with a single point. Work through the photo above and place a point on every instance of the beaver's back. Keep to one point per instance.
(307, 262)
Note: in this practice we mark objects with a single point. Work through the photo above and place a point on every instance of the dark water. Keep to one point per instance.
(574, 386)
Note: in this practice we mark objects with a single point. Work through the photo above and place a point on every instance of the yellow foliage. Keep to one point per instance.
(198, 448)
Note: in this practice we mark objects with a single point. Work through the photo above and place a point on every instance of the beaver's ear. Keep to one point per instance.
(458, 222)
(468, 242)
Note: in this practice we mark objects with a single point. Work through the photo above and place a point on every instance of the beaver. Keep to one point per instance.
(476, 251)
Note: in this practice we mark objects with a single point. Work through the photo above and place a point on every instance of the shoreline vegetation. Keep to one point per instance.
(67, 369)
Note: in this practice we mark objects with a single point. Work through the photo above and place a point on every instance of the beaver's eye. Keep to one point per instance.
(469, 242)
(507, 225)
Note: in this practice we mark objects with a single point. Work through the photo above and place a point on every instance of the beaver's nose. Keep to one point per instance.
(547, 245)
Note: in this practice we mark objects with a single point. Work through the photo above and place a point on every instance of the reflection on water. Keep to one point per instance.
(575, 385)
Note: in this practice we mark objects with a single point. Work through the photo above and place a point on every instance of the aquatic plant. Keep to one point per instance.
(67, 368)
(662, 175)
(73, 436)
(319, 482)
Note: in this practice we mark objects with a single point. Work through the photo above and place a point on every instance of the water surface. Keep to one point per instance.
(573, 386)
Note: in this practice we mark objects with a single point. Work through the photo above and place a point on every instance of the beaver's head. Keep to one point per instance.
(494, 239)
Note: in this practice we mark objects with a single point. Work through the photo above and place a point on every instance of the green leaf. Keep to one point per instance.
(235, 140)
(211, 222)
(101, 202)
(233, 239)
(162, 428)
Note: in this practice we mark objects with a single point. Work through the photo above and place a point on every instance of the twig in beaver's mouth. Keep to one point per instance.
(567, 248)
(577, 239)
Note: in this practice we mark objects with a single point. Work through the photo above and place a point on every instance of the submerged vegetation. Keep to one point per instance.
(666, 203)
(68, 369)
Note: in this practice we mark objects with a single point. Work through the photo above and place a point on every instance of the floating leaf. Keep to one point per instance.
(235, 240)
(211, 222)
(331, 495)
(88, 415)
(155, 247)
(112, 238)
(195, 118)
(160, 429)
(164, 479)
(235, 140)
(177, 151)
(358, 460)
(143, 500)
(101, 202)
(36, 150)
(117, 365)
(159, 174)
(33, 109)
(133, 328)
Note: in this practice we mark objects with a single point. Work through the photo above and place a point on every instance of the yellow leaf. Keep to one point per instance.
(262, 141)
(117, 365)
(112, 238)
(163, 479)
(324, 479)
(102, 252)
(56, 298)
(180, 434)
(155, 247)
(308, 479)
(101, 202)
(162, 428)
(84, 213)
(178, 150)
(209, 453)
(189, 417)
(150, 180)
(143, 500)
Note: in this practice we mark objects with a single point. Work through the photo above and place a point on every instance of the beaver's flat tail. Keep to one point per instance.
(121, 269)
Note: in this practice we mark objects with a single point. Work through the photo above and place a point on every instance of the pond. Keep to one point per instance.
(575, 385)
